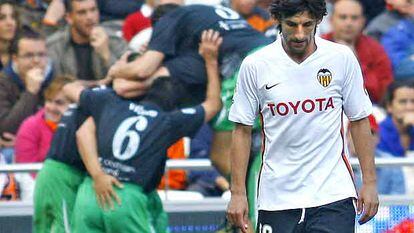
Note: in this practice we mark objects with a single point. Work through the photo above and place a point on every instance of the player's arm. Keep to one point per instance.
(237, 211)
(142, 68)
(364, 148)
(87, 145)
(208, 49)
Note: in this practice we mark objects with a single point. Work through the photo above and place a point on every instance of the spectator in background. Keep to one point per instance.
(137, 28)
(35, 134)
(399, 44)
(84, 49)
(258, 18)
(138, 21)
(347, 23)
(396, 134)
(109, 10)
(32, 13)
(9, 24)
(372, 8)
(21, 84)
(396, 11)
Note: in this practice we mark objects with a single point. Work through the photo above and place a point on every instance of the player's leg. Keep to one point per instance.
(336, 217)
(55, 194)
(157, 213)
(134, 211)
(42, 217)
(87, 215)
(284, 221)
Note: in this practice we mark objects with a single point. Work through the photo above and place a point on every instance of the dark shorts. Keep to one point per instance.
(336, 217)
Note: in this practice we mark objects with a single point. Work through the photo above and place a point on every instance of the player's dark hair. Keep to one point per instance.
(161, 11)
(282, 9)
(162, 93)
(393, 87)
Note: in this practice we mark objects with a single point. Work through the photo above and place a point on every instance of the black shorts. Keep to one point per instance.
(336, 217)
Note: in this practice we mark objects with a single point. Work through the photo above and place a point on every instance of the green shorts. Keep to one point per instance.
(54, 196)
(221, 121)
(138, 212)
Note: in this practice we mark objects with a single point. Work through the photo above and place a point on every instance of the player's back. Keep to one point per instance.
(133, 135)
(63, 147)
(185, 25)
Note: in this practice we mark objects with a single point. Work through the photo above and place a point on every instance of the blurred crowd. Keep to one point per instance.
(44, 44)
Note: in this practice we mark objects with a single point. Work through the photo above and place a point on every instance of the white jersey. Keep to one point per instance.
(301, 106)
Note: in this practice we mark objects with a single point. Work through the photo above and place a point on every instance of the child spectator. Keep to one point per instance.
(35, 134)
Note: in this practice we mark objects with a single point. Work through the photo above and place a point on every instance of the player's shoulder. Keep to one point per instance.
(334, 49)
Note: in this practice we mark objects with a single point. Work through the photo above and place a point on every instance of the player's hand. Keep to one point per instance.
(103, 185)
(237, 212)
(209, 46)
(367, 202)
(100, 42)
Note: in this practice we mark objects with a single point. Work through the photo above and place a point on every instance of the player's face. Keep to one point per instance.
(55, 107)
(298, 34)
(84, 16)
(347, 20)
(402, 104)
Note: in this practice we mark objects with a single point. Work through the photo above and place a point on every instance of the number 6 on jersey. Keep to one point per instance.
(124, 134)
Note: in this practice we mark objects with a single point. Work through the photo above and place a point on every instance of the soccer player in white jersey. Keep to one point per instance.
(300, 86)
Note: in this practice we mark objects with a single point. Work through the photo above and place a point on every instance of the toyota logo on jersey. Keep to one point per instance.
(324, 77)
(306, 106)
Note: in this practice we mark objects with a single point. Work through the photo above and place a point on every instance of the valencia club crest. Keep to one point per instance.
(324, 77)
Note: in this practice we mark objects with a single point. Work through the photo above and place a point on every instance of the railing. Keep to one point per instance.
(205, 164)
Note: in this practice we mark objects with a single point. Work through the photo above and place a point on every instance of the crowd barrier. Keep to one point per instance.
(207, 214)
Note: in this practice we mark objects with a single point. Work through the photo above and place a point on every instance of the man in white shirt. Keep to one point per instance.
(301, 85)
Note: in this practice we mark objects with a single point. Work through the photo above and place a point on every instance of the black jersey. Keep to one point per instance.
(64, 147)
(177, 35)
(133, 136)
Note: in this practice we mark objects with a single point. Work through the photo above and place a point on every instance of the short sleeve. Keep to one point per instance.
(245, 104)
(356, 102)
(165, 34)
(186, 122)
(93, 100)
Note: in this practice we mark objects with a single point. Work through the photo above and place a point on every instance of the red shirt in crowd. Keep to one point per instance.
(375, 64)
(135, 23)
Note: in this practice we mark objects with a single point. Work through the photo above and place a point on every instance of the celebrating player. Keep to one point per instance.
(174, 45)
(301, 85)
(132, 136)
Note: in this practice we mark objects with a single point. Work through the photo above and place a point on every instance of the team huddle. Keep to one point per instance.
(206, 64)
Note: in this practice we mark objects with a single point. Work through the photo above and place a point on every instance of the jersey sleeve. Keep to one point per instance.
(186, 122)
(166, 33)
(356, 102)
(92, 101)
(245, 104)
